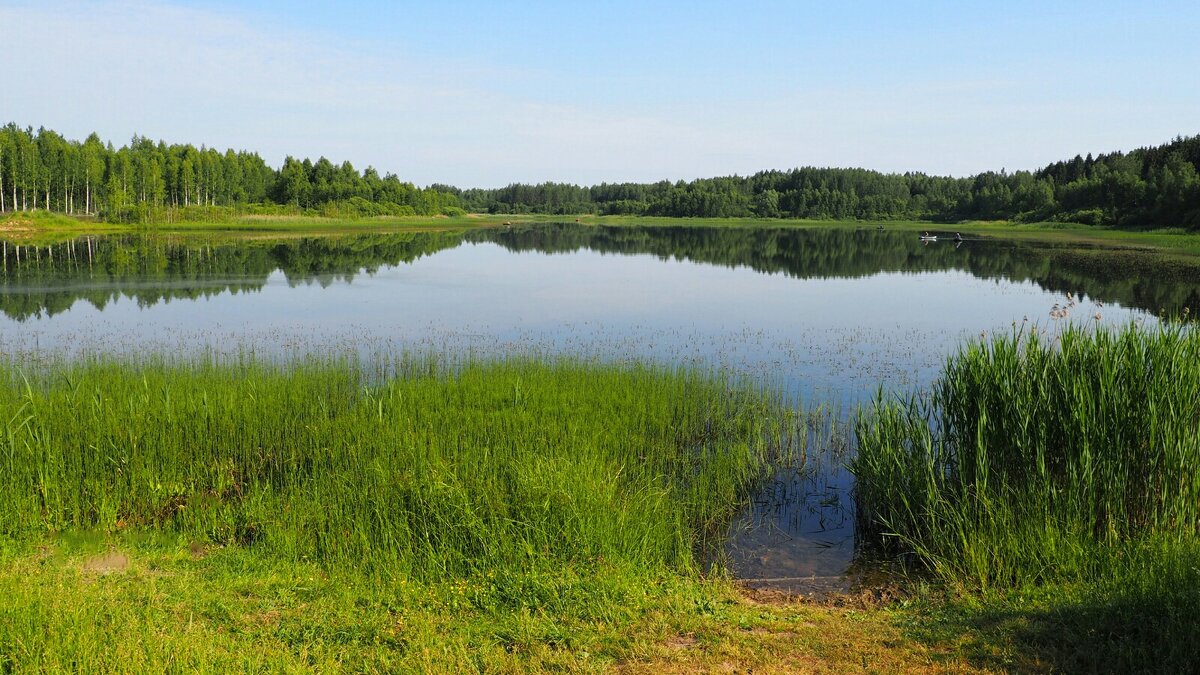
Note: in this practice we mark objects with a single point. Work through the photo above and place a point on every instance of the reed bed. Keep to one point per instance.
(431, 472)
(1039, 457)
(1055, 478)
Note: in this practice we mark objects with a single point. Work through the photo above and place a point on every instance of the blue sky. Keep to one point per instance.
(487, 93)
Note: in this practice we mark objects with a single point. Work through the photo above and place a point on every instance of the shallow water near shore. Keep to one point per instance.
(828, 317)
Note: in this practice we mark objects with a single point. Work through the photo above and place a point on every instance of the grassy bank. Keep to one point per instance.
(42, 224)
(1054, 479)
(141, 605)
(44, 227)
(502, 515)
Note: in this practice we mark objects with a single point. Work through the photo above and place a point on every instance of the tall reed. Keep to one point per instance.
(1034, 457)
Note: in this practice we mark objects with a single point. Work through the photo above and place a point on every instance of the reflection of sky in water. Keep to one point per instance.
(832, 339)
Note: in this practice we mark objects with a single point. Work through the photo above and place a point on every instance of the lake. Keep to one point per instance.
(828, 316)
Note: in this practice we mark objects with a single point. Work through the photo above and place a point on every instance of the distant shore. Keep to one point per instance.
(39, 226)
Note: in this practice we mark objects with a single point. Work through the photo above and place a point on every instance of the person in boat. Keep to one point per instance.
(926, 235)
(958, 236)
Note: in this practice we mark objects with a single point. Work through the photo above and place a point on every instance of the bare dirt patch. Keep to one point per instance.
(677, 642)
(782, 634)
(867, 596)
(107, 563)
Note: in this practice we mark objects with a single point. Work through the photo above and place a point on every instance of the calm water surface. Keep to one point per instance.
(828, 316)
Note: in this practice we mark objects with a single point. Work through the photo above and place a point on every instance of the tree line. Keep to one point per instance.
(1153, 186)
(145, 181)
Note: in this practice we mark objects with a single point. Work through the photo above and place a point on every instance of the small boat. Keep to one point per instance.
(929, 237)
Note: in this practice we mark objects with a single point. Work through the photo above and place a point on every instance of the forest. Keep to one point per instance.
(146, 181)
(1149, 187)
(149, 182)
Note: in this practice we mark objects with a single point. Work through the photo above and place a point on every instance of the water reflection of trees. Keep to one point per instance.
(46, 280)
(1138, 279)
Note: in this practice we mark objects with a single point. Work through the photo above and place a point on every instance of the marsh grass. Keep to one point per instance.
(436, 470)
(1064, 461)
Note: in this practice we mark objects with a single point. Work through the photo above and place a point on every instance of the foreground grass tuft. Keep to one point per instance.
(1062, 470)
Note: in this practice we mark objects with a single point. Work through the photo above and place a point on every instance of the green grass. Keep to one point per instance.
(310, 225)
(46, 227)
(42, 227)
(470, 514)
(1062, 467)
(432, 471)
(232, 609)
